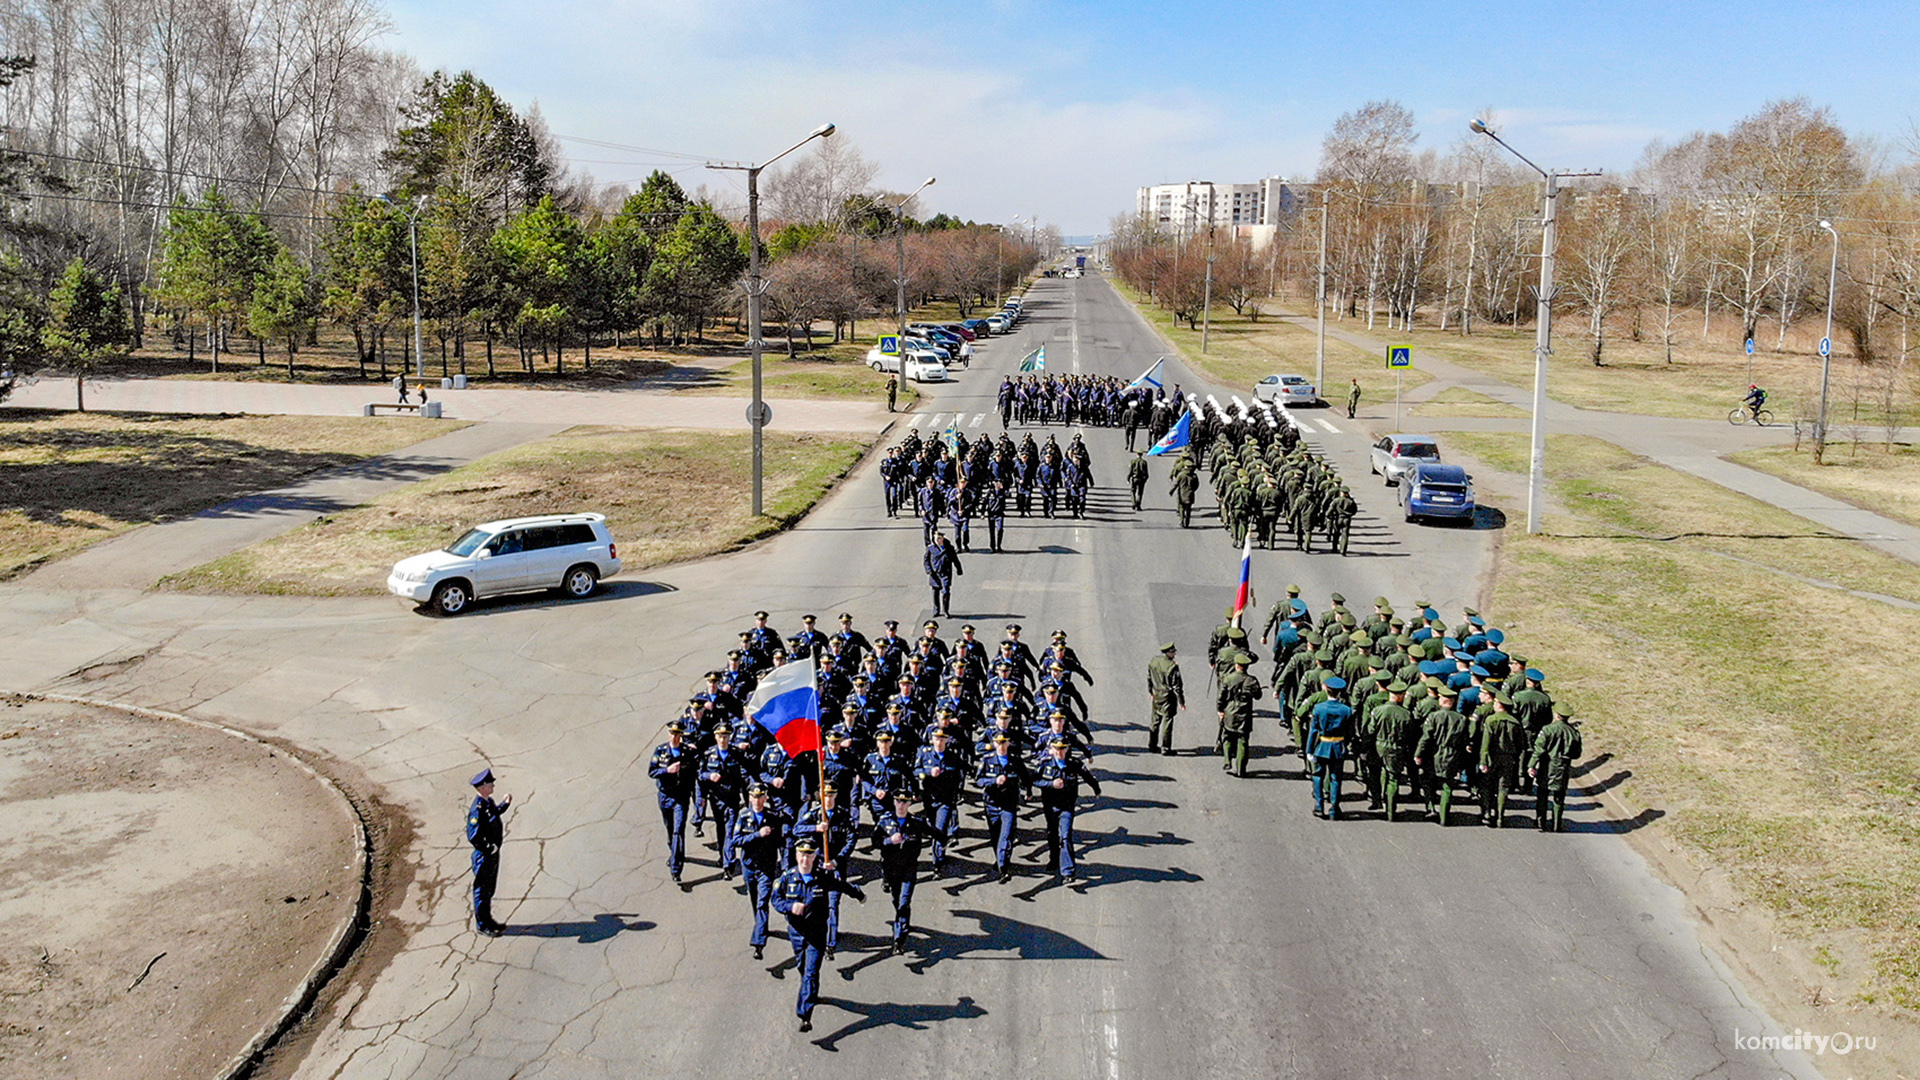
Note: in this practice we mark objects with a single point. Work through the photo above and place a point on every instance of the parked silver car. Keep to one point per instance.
(1394, 455)
(569, 552)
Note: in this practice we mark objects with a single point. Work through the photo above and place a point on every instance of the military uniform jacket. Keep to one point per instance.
(1556, 747)
(899, 860)
(674, 787)
(485, 830)
(1445, 742)
(730, 767)
(1534, 709)
(839, 829)
(1329, 727)
(1238, 692)
(943, 788)
(1395, 730)
(1502, 740)
(881, 773)
(994, 767)
(795, 887)
(1071, 772)
(1164, 684)
(760, 853)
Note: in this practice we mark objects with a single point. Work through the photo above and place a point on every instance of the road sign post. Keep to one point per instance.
(1399, 359)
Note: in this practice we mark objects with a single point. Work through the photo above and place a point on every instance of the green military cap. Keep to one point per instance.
(1376, 663)
(1563, 710)
(1293, 590)
(1347, 619)
(1361, 640)
(1337, 598)
(1234, 633)
(1403, 640)
(1503, 698)
(1380, 601)
(1324, 656)
(1243, 657)
(1168, 647)
(1433, 680)
(1313, 637)
(1469, 611)
(1396, 687)
(1422, 604)
(1448, 691)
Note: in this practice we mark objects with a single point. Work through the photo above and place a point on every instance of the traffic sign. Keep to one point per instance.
(889, 345)
(1826, 346)
(764, 418)
(1749, 346)
(1399, 356)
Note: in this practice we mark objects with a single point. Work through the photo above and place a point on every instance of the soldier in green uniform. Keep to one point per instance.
(1185, 484)
(1340, 513)
(1503, 744)
(1353, 399)
(1166, 696)
(1137, 478)
(1445, 744)
(1554, 751)
(1396, 734)
(1238, 692)
(1531, 705)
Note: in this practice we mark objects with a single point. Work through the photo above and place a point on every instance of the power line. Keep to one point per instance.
(635, 149)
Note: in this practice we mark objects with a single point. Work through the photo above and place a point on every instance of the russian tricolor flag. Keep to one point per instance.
(787, 704)
(1244, 598)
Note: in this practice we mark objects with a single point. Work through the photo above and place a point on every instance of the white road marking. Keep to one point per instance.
(1112, 1032)
(977, 420)
(1330, 428)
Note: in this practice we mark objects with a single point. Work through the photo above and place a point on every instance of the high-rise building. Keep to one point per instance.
(1186, 209)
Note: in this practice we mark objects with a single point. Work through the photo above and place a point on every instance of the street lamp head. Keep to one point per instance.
(1479, 127)
(822, 131)
(929, 182)
(1827, 225)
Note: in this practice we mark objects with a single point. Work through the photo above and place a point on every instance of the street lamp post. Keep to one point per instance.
(1206, 297)
(1320, 303)
(756, 288)
(1826, 344)
(900, 239)
(1543, 329)
(413, 246)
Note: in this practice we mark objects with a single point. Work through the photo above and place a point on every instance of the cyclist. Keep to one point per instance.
(1755, 398)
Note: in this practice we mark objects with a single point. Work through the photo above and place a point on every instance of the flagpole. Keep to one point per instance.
(820, 765)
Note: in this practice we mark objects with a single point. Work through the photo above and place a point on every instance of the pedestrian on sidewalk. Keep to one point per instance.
(400, 384)
(423, 396)
(893, 391)
(1353, 399)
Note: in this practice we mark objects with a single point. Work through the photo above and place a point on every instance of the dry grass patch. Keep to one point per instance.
(668, 496)
(69, 480)
(1762, 712)
(1886, 481)
(1242, 351)
(1460, 401)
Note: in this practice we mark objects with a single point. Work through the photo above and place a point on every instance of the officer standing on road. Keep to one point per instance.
(942, 562)
(893, 391)
(1058, 780)
(1554, 752)
(672, 769)
(1395, 736)
(1238, 692)
(941, 771)
(486, 831)
(723, 775)
(993, 505)
(801, 895)
(1166, 696)
(1137, 478)
(1353, 399)
(759, 838)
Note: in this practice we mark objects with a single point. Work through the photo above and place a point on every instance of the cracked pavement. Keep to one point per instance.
(1220, 929)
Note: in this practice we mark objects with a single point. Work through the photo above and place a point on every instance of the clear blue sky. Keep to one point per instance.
(1063, 109)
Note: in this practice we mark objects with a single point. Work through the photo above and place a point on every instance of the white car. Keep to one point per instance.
(569, 552)
(1287, 390)
(999, 324)
(926, 367)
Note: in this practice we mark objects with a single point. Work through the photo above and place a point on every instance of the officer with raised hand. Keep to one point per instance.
(1058, 779)
(759, 838)
(940, 771)
(723, 776)
(802, 894)
(900, 834)
(1001, 779)
(673, 769)
(486, 831)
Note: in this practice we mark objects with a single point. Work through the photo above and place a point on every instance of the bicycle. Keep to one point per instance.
(1742, 415)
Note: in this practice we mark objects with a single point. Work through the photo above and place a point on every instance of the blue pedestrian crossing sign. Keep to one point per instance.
(1749, 346)
(889, 345)
(1399, 356)
(1826, 346)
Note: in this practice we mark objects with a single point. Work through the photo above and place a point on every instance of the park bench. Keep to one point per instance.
(430, 410)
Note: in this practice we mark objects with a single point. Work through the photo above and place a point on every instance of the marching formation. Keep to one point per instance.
(925, 727)
(1091, 400)
(1409, 702)
(1264, 477)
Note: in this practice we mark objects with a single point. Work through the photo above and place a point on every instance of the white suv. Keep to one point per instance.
(569, 552)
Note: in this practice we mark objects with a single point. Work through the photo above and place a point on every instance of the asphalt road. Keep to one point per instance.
(1220, 930)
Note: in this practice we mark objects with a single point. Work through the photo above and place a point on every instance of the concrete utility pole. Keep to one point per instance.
(756, 290)
(1826, 345)
(1206, 301)
(1320, 303)
(1543, 329)
(413, 246)
(900, 238)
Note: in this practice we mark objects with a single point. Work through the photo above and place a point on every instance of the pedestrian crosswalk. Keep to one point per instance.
(940, 421)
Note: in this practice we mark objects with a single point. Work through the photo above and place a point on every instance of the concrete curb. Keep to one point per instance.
(346, 935)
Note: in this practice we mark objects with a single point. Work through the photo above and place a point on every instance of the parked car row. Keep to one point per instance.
(929, 350)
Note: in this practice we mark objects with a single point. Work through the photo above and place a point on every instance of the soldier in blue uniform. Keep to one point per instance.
(881, 772)
(672, 769)
(942, 563)
(759, 837)
(835, 829)
(1058, 780)
(994, 506)
(486, 831)
(722, 779)
(900, 834)
(1329, 730)
(1001, 779)
(802, 894)
(940, 771)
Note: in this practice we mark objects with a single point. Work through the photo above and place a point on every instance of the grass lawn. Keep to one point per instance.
(1868, 475)
(1460, 401)
(69, 480)
(1764, 714)
(668, 496)
(1241, 352)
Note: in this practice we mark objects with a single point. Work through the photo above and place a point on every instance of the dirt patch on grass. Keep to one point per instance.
(1870, 476)
(1746, 696)
(69, 480)
(668, 496)
(163, 889)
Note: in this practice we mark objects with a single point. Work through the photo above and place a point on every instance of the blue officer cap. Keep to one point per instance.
(1429, 613)
(1475, 620)
(1436, 667)
(1451, 643)
(1536, 674)
(1335, 683)
(1496, 635)
(1480, 671)
(485, 777)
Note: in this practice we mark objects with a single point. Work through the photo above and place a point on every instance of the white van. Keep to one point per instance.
(569, 552)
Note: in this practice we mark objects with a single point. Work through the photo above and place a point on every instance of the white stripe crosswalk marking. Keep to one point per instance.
(977, 420)
(1330, 428)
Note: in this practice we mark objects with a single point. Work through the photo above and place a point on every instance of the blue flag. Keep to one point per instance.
(1177, 439)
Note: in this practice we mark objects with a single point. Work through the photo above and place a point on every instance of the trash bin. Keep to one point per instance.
(459, 383)
(446, 384)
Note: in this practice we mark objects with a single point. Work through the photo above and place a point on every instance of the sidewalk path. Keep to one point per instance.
(624, 408)
(137, 559)
(1695, 447)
